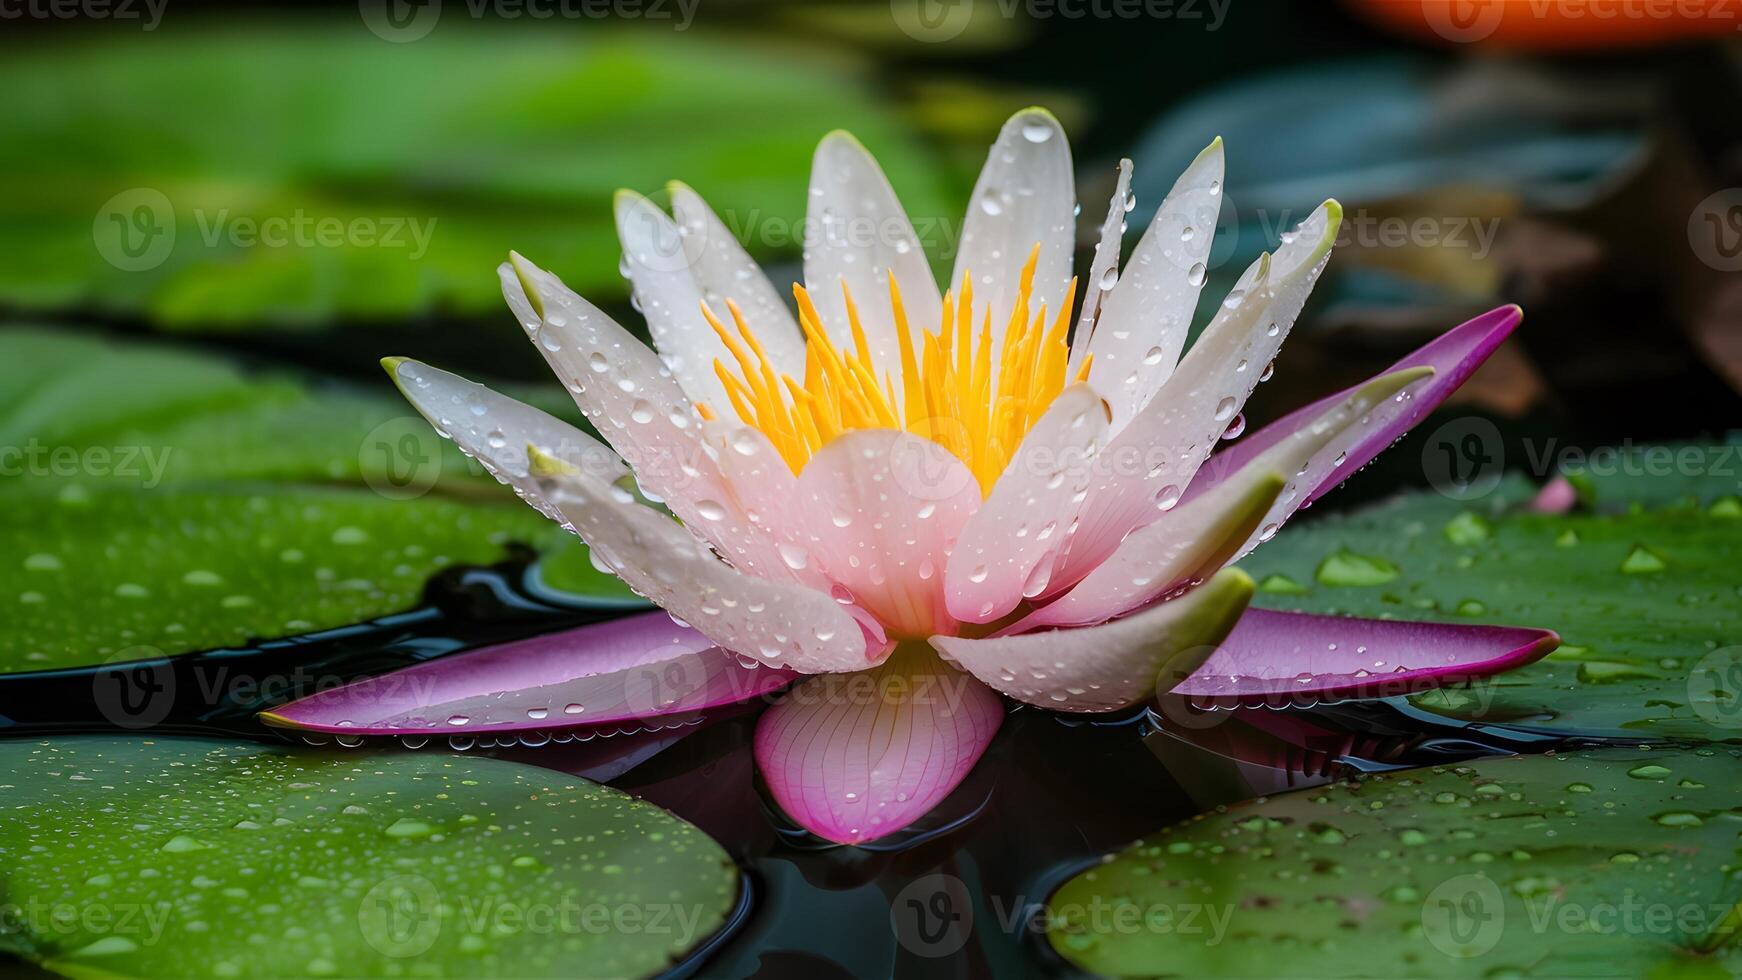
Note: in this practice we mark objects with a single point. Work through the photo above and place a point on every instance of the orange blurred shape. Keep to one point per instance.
(1555, 24)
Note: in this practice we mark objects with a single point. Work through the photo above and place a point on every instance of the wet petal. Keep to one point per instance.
(881, 509)
(660, 260)
(1028, 515)
(724, 270)
(778, 623)
(1103, 268)
(1155, 457)
(1144, 318)
(1220, 526)
(857, 232)
(1025, 196)
(1280, 658)
(496, 429)
(1453, 356)
(629, 395)
(856, 757)
(623, 675)
(1113, 665)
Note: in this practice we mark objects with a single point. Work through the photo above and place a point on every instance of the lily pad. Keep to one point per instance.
(160, 502)
(394, 177)
(1604, 863)
(174, 857)
(1645, 599)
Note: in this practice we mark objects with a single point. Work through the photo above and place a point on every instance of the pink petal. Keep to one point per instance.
(857, 233)
(1282, 659)
(854, 757)
(1454, 356)
(1021, 526)
(1219, 526)
(1113, 665)
(1103, 268)
(780, 623)
(880, 510)
(1025, 196)
(1155, 457)
(1144, 319)
(622, 673)
(1557, 496)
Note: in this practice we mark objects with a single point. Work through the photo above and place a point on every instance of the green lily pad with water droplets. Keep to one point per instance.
(1649, 644)
(177, 857)
(160, 502)
(1601, 864)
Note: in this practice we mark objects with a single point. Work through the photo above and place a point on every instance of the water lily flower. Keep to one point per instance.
(919, 502)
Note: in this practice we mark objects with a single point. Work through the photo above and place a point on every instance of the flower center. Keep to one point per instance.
(949, 391)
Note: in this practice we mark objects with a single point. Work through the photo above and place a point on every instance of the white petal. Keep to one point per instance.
(780, 624)
(1154, 457)
(660, 260)
(1144, 319)
(1028, 515)
(724, 270)
(624, 389)
(856, 232)
(1103, 268)
(1114, 665)
(1026, 196)
(497, 429)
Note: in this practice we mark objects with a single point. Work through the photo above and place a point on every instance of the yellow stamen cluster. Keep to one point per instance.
(948, 391)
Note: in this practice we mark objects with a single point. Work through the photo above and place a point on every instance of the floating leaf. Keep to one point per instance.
(1637, 643)
(166, 502)
(306, 175)
(1584, 864)
(218, 859)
